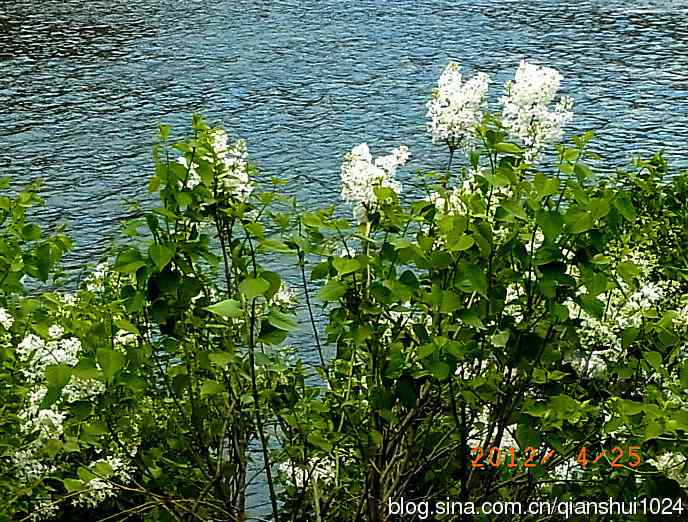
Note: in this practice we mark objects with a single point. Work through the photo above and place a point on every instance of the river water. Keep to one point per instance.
(83, 84)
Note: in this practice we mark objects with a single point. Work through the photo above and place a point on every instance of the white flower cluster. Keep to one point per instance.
(35, 354)
(534, 242)
(671, 465)
(95, 282)
(285, 296)
(601, 339)
(452, 204)
(99, 489)
(234, 165)
(478, 433)
(231, 166)
(6, 320)
(513, 305)
(593, 366)
(193, 178)
(320, 470)
(526, 114)
(29, 467)
(123, 340)
(456, 107)
(360, 175)
(42, 423)
(78, 389)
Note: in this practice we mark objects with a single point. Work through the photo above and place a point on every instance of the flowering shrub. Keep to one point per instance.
(521, 303)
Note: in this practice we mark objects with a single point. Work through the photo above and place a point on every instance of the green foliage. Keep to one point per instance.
(522, 306)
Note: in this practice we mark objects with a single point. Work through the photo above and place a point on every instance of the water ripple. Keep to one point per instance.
(83, 84)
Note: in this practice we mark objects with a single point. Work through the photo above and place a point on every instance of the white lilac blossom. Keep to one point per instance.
(6, 320)
(360, 175)
(512, 302)
(231, 166)
(82, 389)
(233, 163)
(235, 179)
(99, 489)
(526, 115)
(456, 107)
(55, 331)
(671, 465)
(48, 423)
(28, 467)
(68, 299)
(320, 470)
(192, 177)
(220, 141)
(95, 282)
(35, 354)
(123, 339)
(43, 423)
(285, 297)
(601, 338)
(534, 242)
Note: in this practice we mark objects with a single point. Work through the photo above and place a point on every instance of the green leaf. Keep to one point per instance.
(654, 359)
(129, 261)
(515, 208)
(72, 485)
(545, 186)
(127, 326)
(539, 376)
(629, 336)
(578, 220)
(282, 321)
(226, 308)
(317, 440)
(439, 370)
(551, 222)
(527, 434)
(623, 204)
(161, 255)
(211, 388)
(599, 208)
(85, 474)
(556, 375)
(508, 148)
(275, 245)
(31, 232)
(58, 375)
(582, 171)
(450, 302)
(332, 291)
(221, 359)
(111, 361)
(472, 278)
(103, 469)
(183, 199)
(628, 407)
(252, 287)
(628, 271)
(344, 265)
(592, 305)
(464, 243)
(499, 339)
